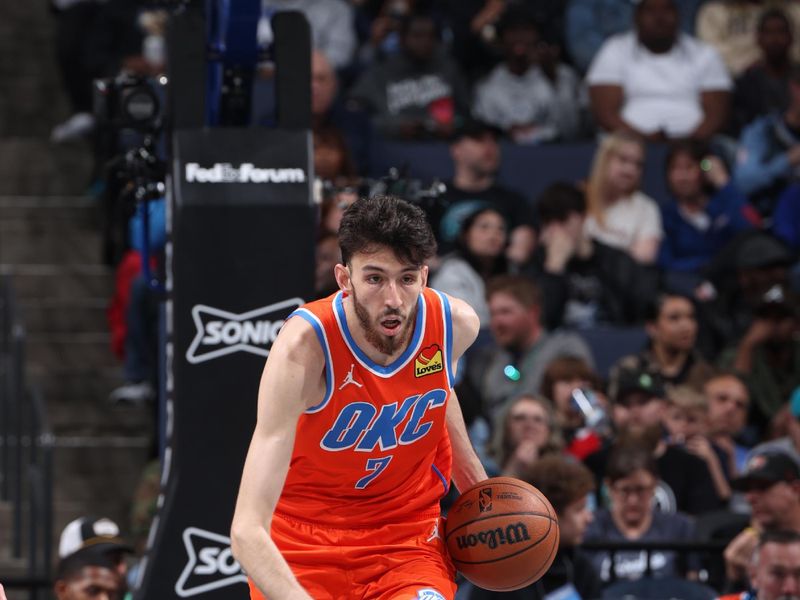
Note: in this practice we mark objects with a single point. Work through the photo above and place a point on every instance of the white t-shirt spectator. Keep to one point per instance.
(627, 221)
(661, 91)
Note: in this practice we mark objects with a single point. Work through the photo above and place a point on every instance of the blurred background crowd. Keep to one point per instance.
(615, 189)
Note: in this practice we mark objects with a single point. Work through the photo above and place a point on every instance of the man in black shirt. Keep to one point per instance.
(476, 157)
(584, 282)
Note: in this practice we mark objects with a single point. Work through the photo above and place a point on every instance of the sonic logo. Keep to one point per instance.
(428, 361)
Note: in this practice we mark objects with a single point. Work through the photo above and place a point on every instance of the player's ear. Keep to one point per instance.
(424, 275)
(343, 279)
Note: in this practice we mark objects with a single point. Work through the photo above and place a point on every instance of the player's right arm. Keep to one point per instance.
(291, 382)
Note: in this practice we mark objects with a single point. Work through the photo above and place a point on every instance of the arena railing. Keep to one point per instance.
(26, 454)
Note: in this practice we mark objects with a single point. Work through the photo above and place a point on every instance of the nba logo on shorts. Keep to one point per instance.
(485, 500)
(429, 594)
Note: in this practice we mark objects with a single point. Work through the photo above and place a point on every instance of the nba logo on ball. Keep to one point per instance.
(485, 500)
(502, 534)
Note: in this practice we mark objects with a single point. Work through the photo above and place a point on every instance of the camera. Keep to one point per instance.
(130, 102)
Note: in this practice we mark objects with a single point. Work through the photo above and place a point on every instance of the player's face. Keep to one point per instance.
(384, 291)
(777, 574)
(92, 583)
(573, 521)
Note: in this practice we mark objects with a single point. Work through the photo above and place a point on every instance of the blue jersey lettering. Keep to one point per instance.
(349, 426)
(414, 429)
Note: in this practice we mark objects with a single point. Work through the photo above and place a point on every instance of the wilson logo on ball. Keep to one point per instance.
(492, 538)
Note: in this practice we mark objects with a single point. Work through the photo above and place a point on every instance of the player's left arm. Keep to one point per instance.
(467, 467)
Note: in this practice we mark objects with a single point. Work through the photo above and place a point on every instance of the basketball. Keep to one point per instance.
(502, 534)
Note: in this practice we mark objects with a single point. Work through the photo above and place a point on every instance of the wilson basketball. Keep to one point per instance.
(502, 534)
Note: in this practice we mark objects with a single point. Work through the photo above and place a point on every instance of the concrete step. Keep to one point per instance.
(43, 316)
(61, 282)
(35, 167)
(79, 208)
(70, 353)
(43, 246)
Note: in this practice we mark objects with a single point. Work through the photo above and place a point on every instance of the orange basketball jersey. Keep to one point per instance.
(376, 449)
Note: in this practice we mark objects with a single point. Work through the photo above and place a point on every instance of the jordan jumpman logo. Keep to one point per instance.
(349, 378)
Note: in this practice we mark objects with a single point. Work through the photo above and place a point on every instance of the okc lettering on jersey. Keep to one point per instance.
(362, 421)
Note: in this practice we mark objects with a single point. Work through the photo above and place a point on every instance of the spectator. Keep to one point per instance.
(98, 539)
(764, 87)
(522, 348)
(584, 281)
(671, 354)
(525, 432)
(768, 356)
(476, 160)
(332, 160)
(775, 567)
(335, 201)
(619, 214)
(707, 211)
(418, 93)
(786, 219)
(771, 484)
(566, 484)
(328, 112)
(530, 96)
(687, 425)
(631, 477)
(565, 377)
(657, 81)
(769, 152)
(731, 25)
(589, 23)
(89, 576)
(638, 413)
(479, 256)
(728, 404)
(332, 30)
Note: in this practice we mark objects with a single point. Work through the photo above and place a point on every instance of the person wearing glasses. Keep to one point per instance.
(771, 486)
(631, 480)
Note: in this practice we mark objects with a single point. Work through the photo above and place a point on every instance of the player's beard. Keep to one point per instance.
(384, 343)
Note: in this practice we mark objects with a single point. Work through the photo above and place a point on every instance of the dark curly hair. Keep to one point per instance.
(390, 222)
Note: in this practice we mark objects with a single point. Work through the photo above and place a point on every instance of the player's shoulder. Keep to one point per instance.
(465, 323)
(299, 340)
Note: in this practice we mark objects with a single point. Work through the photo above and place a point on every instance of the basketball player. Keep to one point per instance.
(358, 426)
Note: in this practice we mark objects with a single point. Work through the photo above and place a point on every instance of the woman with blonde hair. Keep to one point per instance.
(619, 213)
(525, 431)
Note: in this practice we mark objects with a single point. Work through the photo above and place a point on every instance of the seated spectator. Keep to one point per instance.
(479, 256)
(671, 354)
(567, 485)
(764, 86)
(514, 364)
(332, 161)
(769, 152)
(659, 82)
(687, 425)
(95, 538)
(332, 30)
(564, 378)
(707, 212)
(327, 255)
(476, 160)
(584, 281)
(525, 432)
(774, 568)
(631, 477)
(589, 23)
(728, 404)
(771, 484)
(87, 577)
(768, 356)
(731, 27)
(335, 200)
(619, 213)
(418, 93)
(530, 95)
(329, 112)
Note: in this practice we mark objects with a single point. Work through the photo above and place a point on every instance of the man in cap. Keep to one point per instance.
(88, 576)
(638, 412)
(95, 537)
(771, 485)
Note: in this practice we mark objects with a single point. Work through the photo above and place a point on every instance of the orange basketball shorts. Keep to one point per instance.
(405, 561)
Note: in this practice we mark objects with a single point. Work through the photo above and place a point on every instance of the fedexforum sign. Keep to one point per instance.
(244, 173)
